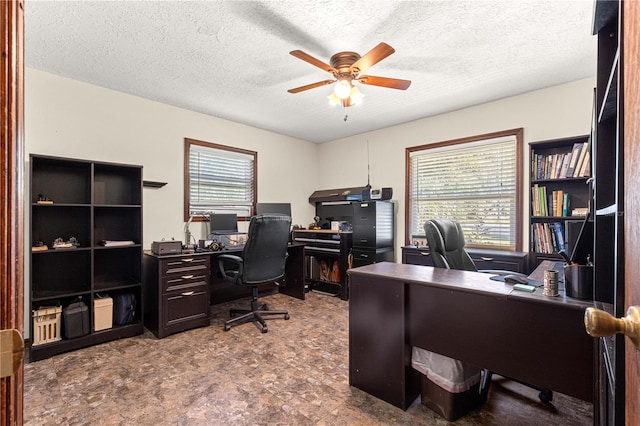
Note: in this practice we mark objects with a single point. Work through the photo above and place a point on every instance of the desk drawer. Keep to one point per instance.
(184, 265)
(502, 263)
(417, 257)
(186, 305)
(185, 281)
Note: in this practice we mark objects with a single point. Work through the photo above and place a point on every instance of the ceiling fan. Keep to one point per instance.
(348, 67)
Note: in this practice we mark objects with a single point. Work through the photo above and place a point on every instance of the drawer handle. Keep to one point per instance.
(363, 255)
(486, 259)
(186, 277)
(188, 260)
(423, 253)
(188, 293)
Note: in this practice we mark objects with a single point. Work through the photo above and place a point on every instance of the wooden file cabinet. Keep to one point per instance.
(178, 290)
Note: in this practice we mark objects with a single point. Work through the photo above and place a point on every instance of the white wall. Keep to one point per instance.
(68, 118)
(555, 112)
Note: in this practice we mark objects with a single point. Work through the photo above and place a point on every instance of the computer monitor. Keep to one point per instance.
(274, 208)
(223, 223)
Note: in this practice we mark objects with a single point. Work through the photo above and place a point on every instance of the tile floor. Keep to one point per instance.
(296, 374)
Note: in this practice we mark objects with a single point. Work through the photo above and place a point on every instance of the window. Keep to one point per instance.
(475, 181)
(219, 179)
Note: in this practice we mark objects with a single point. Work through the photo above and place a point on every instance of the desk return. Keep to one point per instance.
(467, 316)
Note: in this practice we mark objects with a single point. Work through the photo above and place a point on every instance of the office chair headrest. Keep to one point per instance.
(450, 235)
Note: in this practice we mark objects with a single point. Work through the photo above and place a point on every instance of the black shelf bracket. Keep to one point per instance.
(153, 184)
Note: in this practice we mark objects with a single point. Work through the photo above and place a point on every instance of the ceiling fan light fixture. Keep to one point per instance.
(355, 96)
(343, 89)
(334, 100)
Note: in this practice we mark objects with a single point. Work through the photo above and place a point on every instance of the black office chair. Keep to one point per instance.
(446, 246)
(263, 261)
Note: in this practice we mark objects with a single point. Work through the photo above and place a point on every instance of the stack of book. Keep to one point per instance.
(544, 204)
(548, 238)
(573, 164)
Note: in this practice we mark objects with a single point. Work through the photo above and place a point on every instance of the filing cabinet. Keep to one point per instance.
(177, 287)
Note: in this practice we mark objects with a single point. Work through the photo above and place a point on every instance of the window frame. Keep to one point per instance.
(518, 133)
(188, 142)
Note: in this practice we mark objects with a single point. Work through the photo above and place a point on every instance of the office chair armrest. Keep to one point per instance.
(233, 264)
(501, 272)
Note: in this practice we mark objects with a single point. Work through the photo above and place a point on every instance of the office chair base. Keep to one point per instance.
(257, 314)
(545, 395)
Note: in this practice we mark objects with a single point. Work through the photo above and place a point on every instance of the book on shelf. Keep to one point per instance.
(580, 211)
(535, 200)
(562, 243)
(585, 166)
(548, 238)
(575, 155)
(565, 204)
(580, 162)
(116, 243)
(565, 165)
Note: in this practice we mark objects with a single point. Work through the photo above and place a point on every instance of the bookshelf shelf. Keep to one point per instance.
(560, 193)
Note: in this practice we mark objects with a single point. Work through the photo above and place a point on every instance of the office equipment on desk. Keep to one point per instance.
(223, 223)
(263, 261)
(446, 241)
(166, 247)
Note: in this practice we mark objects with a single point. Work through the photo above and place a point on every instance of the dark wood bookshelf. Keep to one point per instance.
(91, 201)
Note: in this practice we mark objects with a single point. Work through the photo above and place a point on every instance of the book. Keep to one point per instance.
(535, 200)
(565, 165)
(580, 211)
(558, 170)
(575, 155)
(565, 204)
(580, 162)
(112, 243)
(562, 244)
(585, 164)
(587, 169)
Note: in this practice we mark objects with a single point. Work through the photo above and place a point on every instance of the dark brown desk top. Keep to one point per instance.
(464, 281)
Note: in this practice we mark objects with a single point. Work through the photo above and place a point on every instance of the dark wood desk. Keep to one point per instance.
(179, 288)
(463, 315)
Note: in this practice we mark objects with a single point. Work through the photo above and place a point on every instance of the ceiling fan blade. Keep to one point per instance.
(310, 86)
(392, 83)
(372, 57)
(313, 61)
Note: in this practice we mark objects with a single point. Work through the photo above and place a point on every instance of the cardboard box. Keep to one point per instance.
(102, 313)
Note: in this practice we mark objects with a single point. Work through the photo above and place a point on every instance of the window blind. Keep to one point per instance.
(220, 181)
(474, 184)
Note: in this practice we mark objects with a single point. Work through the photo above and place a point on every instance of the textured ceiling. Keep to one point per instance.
(231, 59)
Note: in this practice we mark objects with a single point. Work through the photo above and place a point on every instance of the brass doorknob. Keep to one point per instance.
(600, 324)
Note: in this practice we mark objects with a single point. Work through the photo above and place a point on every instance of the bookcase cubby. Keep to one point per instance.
(560, 194)
(91, 202)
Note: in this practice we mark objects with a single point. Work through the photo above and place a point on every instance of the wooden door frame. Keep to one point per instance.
(631, 84)
(11, 195)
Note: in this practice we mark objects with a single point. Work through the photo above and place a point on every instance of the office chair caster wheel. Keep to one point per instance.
(287, 316)
(264, 330)
(227, 327)
(546, 396)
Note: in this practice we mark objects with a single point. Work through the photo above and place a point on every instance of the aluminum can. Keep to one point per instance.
(550, 283)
